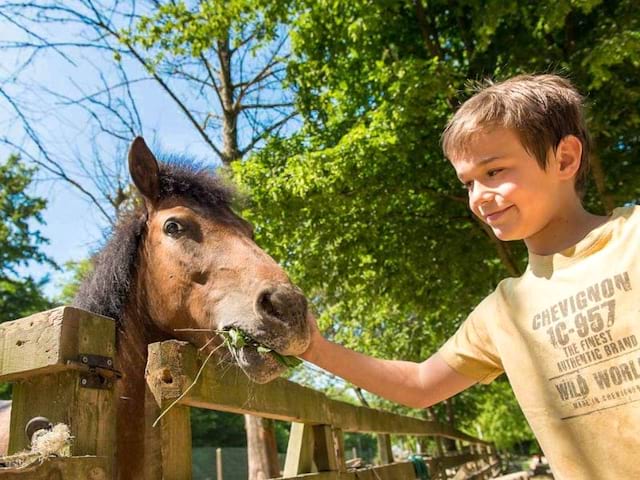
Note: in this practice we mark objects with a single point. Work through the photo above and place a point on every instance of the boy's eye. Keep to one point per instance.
(494, 172)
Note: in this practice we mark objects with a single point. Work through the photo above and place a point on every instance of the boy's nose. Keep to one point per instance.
(480, 194)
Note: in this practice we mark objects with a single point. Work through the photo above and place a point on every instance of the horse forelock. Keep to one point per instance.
(106, 290)
(190, 180)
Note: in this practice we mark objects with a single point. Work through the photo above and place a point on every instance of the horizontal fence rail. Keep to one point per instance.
(318, 422)
(173, 365)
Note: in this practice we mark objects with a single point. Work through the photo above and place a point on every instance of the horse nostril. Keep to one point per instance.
(200, 277)
(285, 303)
(265, 306)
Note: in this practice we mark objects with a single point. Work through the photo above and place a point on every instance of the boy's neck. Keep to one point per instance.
(564, 230)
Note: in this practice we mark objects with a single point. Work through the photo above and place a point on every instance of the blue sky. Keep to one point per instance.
(73, 225)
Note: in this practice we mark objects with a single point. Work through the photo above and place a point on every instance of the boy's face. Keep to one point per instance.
(508, 190)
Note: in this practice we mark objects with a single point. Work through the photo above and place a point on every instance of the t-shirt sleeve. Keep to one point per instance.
(471, 351)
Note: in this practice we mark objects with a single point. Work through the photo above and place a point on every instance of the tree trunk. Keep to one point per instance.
(450, 443)
(431, 416)
(262, 451)
(230, 150)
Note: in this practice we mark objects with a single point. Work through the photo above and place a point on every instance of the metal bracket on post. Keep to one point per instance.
(97, 371)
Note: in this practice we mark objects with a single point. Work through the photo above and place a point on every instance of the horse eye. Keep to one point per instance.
(172, 228)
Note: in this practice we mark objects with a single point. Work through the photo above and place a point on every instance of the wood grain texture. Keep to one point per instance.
(36, 352)
(228, 389)
(168, 444)
(45, 342)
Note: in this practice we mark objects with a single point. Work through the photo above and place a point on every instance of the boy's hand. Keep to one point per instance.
(316, 338)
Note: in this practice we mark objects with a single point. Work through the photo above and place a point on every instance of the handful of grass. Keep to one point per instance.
(235, 339)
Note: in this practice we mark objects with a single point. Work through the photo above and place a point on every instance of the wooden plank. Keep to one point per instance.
(45, 342)
(522, 475)
(93, 419)
(50, 389)
(452, 461)
(324, 449)
(228, 389)
(394, 471)
(482, 473)
(384, 449)
(300, 450)
(69, 468)
(338, 442)
(312, 448)
(175, 429)
(168, 445)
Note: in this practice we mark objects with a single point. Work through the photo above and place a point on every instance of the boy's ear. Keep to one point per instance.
(144, 171)
(568, 157)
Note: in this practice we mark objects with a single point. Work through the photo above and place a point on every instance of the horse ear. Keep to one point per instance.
(143, 167)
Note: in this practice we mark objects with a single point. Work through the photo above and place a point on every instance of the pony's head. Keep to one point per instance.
(188, 266)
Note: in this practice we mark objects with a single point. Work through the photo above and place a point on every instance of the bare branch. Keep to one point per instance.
(253, 106)
(265, 71)
(44, 43)
(212, 76)
(175, 98)
(266, 132)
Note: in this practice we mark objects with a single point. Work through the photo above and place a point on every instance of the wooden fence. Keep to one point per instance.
(60, 362)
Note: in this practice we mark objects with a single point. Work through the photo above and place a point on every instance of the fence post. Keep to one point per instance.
(338, 443)
(324, 451)
(56, 341)
(300, 450)
(384, 448)
(219, 475)
(168, 445)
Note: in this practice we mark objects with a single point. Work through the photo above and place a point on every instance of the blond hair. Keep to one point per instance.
(541, 109)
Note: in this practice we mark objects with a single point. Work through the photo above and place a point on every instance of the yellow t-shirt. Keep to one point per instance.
(567, 335)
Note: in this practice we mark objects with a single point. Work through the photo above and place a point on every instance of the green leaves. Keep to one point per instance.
(236, 339)
(180, 29)
(359, 204)
(20, 242)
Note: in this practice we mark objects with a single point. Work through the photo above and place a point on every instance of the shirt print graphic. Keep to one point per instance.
(596, 366)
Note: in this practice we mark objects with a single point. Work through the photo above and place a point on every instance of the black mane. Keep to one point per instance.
(106, 289)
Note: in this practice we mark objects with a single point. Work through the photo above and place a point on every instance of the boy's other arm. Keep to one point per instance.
(417, 385)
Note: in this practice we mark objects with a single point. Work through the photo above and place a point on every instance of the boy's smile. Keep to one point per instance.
(509, 191)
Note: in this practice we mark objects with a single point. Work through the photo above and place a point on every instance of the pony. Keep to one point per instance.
(183, 265)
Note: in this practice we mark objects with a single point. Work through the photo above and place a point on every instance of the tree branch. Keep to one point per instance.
(428, 30)
(265, 132)
(50, 165)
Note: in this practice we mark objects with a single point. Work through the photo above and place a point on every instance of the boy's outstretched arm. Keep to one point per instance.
(417, 385)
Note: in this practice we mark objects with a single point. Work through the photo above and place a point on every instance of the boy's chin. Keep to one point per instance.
(505, 235)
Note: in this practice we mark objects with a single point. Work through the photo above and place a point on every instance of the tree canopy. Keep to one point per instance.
(356, 200)
(20, 242)
(360, 204)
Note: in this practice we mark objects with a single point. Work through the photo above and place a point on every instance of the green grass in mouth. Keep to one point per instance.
(235, 339)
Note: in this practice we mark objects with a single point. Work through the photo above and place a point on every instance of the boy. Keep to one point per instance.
(566, 331)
